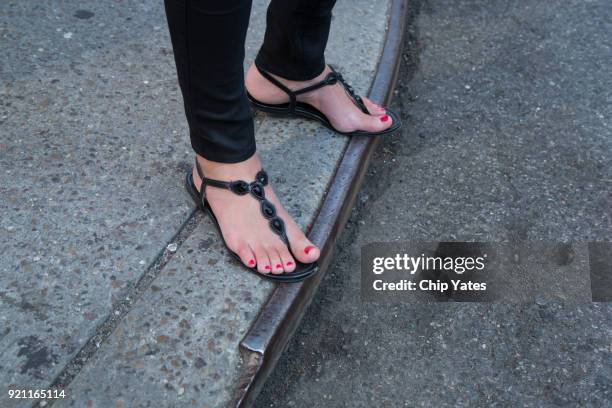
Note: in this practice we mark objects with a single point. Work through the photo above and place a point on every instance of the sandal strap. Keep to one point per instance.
(330, 79)
(292, 95)
(350, 91)
(256, 189)
(205, 181)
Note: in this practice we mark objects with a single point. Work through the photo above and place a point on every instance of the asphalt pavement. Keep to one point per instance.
(507, 137)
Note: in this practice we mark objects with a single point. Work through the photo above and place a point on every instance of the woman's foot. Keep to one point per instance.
(331, 100)
(244, 229)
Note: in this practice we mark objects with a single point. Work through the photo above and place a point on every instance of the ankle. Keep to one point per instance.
(229, 171)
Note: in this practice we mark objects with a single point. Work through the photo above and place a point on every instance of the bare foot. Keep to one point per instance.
(244, 229)
(332, 100)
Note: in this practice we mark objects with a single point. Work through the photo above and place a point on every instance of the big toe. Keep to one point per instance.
(370, 123)
(304, 250)
(373, 108)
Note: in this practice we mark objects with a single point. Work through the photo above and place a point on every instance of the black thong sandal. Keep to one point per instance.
(306, 110)
(268, 211)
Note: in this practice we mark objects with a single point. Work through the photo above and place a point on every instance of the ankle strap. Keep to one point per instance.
(292, 95)
(239, 187)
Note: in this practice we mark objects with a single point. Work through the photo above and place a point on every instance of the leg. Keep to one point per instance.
(295, 40)
(293, 51)
(208, 40)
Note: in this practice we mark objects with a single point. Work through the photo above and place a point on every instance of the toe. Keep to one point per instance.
(373, 108)
(245, 253)
(275, 261)
(286, 259)
(262, 259)
(386, 120)
(303, 250)
(376, 123)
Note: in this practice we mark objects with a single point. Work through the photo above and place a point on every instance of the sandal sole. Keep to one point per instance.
(304, 110)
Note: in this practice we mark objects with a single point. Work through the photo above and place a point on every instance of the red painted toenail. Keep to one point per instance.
(278, 266)
(268, 267)
(308, 249)
(252, 262)
(289, 263)
(384, 118)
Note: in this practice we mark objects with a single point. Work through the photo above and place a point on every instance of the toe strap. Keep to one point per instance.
(358, 100)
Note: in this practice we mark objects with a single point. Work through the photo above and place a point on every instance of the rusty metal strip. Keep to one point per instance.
(283, 311)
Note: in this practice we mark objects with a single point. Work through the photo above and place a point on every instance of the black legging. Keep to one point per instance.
(208, 40)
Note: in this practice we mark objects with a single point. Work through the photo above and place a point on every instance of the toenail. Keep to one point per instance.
(308, 249)
(384, 118)
(252, 262)
(289, 263)
(267, 267)
(279, 266)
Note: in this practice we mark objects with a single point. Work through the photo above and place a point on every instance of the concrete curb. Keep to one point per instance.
(283, 311)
